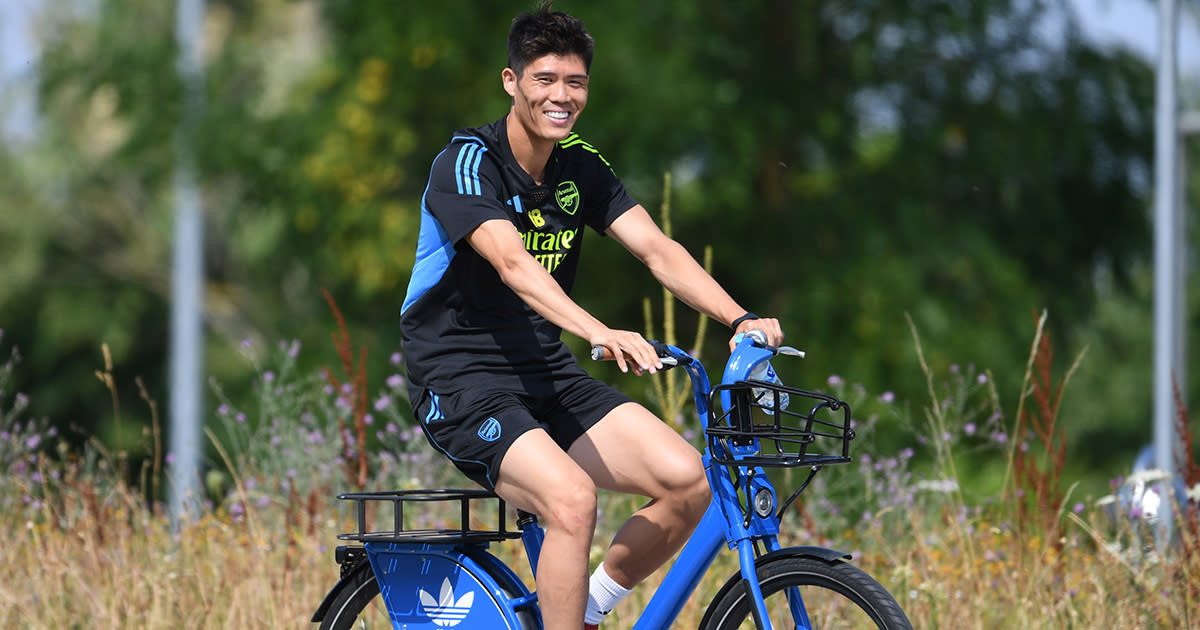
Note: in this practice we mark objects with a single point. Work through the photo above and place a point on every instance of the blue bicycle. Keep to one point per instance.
(445, 577)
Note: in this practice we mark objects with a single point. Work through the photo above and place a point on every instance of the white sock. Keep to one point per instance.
(603, 595)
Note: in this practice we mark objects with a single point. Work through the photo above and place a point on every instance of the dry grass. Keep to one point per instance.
(84, 550)
(87, 559)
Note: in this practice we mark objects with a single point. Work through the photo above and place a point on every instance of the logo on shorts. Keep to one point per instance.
(490, 431)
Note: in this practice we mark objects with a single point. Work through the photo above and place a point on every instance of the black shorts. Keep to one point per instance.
(475, 426)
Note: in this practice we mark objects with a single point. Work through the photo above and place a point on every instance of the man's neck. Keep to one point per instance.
(531, 153)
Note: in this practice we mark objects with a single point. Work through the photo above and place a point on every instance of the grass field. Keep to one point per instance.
(95, 557)
(87, 542)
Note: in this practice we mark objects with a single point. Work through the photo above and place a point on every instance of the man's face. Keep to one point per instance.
(549, 96)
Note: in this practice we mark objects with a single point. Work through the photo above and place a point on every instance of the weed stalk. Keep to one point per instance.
(354, 451)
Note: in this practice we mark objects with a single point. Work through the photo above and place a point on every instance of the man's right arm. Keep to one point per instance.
(500, 244)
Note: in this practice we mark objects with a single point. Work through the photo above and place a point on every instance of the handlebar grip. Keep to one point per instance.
(600, 353)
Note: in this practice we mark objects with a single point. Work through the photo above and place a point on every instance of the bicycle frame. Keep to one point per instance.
(435, 585)
(724, 523)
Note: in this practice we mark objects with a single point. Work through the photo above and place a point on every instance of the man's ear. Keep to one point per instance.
(509, 78)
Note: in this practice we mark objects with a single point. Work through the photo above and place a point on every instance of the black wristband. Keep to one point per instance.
(743, 318)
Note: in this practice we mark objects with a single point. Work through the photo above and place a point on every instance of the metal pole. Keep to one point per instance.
(187, 286)
(1167, 260)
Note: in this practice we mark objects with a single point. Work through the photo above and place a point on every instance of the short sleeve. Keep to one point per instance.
(463, 188)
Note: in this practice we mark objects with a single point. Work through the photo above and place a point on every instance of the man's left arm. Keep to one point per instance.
(677, 270)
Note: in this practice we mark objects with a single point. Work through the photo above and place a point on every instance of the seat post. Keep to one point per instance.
(532, 535)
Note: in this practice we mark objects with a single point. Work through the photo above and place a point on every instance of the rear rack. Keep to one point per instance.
(399, 533)
(818, 436)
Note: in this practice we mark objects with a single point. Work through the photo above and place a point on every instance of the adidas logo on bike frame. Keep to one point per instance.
(445, 611)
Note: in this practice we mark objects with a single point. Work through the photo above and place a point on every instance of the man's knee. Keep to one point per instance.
(686, 485)
(571, 505)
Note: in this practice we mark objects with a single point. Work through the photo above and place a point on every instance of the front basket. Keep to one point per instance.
(745, 428)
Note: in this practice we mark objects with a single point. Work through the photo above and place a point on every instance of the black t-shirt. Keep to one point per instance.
(459, 319)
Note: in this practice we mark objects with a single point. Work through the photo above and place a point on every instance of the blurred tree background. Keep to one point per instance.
(967, 163)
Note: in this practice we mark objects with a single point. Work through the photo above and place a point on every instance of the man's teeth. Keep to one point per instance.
(559, 115)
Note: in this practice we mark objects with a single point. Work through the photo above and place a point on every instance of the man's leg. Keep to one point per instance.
(632, 451)
(537, 476)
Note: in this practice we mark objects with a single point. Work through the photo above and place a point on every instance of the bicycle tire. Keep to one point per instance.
(838, 595)
(357, 604)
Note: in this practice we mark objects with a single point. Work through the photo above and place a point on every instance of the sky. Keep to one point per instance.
(17, 54)
(1134, 23)
(1131, 23)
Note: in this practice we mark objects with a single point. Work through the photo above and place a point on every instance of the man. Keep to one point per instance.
(495, 388)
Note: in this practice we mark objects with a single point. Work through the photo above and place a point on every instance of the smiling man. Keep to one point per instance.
(495, 388)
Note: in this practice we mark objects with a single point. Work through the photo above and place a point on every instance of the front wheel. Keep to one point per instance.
(809, 593)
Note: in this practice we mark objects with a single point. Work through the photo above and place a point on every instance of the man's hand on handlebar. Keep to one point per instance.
(768, 325)
(628, 349)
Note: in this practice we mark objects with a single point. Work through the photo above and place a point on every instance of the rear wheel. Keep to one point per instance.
(804, 592)
(357, 605)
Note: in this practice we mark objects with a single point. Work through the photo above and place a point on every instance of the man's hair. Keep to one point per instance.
(546, 32)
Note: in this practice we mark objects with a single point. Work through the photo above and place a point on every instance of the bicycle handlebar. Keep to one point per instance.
(669, 358)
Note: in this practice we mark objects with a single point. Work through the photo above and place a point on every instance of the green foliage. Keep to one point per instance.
(848, 162)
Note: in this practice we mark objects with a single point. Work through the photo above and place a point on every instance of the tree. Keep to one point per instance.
(849, 162)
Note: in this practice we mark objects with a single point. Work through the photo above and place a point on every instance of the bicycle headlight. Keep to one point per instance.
(763, 503)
